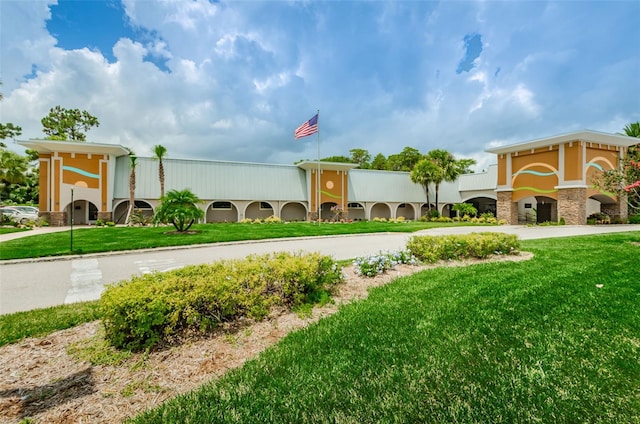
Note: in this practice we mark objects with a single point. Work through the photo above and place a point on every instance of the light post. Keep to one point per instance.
(71, 221)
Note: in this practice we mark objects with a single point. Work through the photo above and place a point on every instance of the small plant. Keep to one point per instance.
(99, 223)
(370, 266)
(337, 212)
(272, 219)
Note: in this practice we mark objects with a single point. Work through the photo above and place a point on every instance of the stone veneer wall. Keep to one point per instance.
(506, 208)
(105, 216)
(572, 205)
(55, 219)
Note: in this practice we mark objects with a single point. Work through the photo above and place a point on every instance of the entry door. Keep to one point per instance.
(544, 212)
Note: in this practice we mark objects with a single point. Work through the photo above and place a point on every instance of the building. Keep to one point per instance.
(551, 176)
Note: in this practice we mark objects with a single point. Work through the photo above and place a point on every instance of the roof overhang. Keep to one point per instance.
(51, 146)
(587, 136)
(329, 166)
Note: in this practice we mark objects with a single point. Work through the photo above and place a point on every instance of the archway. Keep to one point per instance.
(293, 212)
(221, 211)
(380, 210)
(84, 212)
(483, 205)
(355, 211)
(406, 211)
(121, 210)
(258, 210)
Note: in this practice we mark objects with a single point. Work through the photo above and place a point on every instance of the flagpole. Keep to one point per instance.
(318, 174)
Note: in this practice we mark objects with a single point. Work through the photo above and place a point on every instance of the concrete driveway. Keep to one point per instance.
(37, 283)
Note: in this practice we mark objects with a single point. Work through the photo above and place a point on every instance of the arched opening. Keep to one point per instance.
(483, 205)
(221, 211)
(406, 211)
(84, 212)
(380, 210)
(259, 210)
(355, 211)
(293, 212)
(121, 210)
(327, 214)
(600, 203)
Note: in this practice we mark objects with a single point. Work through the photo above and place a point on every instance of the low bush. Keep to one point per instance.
(147, 310)
(634, 219)
(474, 245)
(272, 220)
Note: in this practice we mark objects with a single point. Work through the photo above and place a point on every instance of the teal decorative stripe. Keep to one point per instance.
(80, 171)
(595, 165)
(539, 174)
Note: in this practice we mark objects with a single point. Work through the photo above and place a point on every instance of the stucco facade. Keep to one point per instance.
(552, 178)
(541, 180)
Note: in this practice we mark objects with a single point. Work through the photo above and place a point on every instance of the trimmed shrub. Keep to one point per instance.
(272, 220)
(475, 245)
(147, 310)
(634, 219)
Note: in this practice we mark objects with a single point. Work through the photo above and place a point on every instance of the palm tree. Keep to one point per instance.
(449, 169)
(424, 173)
(132, 184)
(160, 151)
(179, 208)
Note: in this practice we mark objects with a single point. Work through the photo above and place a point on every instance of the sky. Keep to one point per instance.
(232, 80)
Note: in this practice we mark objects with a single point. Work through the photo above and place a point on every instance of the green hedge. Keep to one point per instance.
(147, 310)
(474, 245)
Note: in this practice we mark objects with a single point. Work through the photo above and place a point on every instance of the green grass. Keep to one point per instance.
(39, 322)
(535, 341)
(105, 239)
(8, 230)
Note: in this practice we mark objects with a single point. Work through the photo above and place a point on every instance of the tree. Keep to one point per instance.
(68, 124)
(361, 157)
(465, 209)
(624, 181)
(379, 162)
(341, 159)
(132, 184)
(179, 208)
(424, 173)
(449, 169)
(13, 168)
(160, 151)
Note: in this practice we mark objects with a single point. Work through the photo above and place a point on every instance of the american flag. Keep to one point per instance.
(308, 128)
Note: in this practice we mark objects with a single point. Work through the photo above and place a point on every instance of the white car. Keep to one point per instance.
(15, 214)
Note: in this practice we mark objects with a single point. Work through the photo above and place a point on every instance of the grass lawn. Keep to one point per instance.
(555, 340)
(105, 239)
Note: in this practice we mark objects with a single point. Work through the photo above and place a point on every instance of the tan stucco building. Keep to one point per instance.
(540, 180)
(552, 178)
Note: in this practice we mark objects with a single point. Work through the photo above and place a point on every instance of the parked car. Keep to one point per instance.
(17, 215)
(26, 209)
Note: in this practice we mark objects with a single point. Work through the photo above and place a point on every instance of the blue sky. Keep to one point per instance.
(232, 80)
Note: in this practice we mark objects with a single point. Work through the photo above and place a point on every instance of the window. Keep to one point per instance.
(265, 205)
(221, 205)
(402, 205)
(354, 205)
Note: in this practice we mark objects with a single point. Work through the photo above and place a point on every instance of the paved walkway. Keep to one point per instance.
(37, 283)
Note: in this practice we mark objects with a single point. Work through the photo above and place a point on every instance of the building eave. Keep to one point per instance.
(586, 136)
(51, 146)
